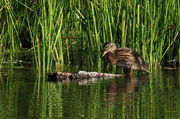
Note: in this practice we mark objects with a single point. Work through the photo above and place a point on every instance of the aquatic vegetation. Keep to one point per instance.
(72, 31)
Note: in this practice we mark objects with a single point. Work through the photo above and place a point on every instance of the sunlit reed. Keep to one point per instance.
(61, 31)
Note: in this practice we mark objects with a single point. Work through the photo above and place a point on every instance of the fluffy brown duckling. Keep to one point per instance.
(124, 57)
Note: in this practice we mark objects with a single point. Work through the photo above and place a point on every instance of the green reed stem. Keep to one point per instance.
(60, 31)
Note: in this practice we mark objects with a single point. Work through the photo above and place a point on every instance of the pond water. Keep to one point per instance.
(24, 95)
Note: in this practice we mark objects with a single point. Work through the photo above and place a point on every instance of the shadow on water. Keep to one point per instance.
(24, 94)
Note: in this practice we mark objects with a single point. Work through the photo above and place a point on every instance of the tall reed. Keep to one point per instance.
(72, 32)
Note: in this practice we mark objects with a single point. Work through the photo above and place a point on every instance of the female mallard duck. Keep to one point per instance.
(124, 57)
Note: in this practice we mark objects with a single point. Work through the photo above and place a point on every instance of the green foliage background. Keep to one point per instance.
(73, 31)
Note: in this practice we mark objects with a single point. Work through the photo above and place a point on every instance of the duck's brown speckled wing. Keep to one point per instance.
(125, 57)
(121, 57)
(139, 63)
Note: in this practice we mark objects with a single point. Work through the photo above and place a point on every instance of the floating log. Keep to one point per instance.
(61, 76)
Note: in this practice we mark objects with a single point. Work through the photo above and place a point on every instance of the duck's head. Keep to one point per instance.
(108, 47)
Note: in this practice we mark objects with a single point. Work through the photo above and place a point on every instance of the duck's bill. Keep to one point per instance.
(103, 53)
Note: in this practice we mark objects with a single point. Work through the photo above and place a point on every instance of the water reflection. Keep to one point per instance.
(24, 94)
(123, 92)
(128, 85)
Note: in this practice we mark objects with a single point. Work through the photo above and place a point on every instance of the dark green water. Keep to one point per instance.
(23, 95)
